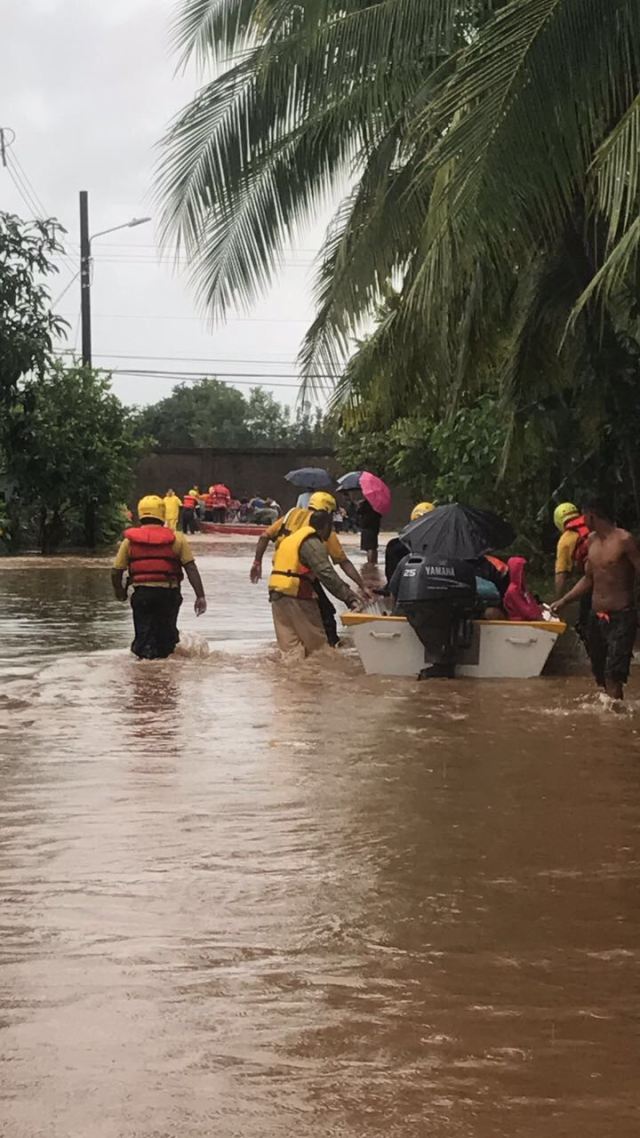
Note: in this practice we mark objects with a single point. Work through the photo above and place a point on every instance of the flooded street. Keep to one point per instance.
(249, 902)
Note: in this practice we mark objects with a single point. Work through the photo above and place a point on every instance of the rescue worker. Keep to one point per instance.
(207, 506)
(189, 503)
(573, 544)
(571, 558)
(154, 558)
(172, 510)
(300, 559)
(290, 523)
(220, 502)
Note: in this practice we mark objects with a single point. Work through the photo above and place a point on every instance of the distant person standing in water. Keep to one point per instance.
(611, 571)
(154, 559)
(172, 510)
(189, 504)
(369, 521)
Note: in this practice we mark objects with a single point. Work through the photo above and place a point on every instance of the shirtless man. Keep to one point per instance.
(611, 569)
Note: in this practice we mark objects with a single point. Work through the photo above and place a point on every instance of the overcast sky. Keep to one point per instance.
(88, 86)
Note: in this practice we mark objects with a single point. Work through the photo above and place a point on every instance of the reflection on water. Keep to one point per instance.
(240, 901)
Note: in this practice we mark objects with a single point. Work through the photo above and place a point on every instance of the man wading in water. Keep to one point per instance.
(154, 558)
(612, 565)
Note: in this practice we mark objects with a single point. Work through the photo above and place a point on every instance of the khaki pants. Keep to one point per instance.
(298, 625)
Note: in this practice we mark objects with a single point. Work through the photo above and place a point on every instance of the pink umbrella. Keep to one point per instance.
(376, 492)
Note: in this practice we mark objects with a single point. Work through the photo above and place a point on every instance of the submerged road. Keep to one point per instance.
(244, 901)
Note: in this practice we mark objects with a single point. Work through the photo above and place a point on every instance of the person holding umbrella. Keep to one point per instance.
(308, 479)
(375, 501)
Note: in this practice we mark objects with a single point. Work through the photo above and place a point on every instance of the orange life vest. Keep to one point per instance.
(581, 551)
(151, 555)
(189, 502)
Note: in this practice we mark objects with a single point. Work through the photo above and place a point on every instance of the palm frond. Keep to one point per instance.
(519, 120)
(616, 171)
(367, 248)
(613, 276)
(615, 174)
(212, 29)
(317, 88)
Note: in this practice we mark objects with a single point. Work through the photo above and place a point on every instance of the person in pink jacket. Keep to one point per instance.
(518, 603)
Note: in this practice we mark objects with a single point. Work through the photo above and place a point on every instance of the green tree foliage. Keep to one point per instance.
(76, 459)
(494, 144)
(213, 414)
(27, 325)
(492, 224)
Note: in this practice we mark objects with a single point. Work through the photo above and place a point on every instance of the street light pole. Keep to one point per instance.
(85, 279)
(85, 269)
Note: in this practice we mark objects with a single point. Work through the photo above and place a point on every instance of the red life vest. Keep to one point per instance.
(581, 551)
(189, 502)
(221, 495)
(209, 501)
(151, 555)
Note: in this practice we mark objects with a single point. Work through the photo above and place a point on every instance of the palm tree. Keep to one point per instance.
(310, 96)
(493, 153)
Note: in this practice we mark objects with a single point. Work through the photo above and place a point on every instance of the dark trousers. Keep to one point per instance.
(327, 615)
(188, 520)
(219, 515)
(155, 622)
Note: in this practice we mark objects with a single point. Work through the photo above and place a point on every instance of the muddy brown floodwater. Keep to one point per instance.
(245, 902)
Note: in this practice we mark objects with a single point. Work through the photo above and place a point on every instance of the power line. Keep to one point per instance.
(198, 376)
(27, 192)
(65, 291)
(151, 245)
(30, 186)
(22, 189)
(180, 376)
(188, 359)
(231, 320)
(183, 262)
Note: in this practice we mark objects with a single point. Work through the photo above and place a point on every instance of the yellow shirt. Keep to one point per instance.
(297, 519)
(565, 550)
(180, 547)
(172, 511)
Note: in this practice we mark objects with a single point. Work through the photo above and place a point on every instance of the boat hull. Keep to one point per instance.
(388, 646)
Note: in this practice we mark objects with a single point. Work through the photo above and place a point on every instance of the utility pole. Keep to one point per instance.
(85, 278)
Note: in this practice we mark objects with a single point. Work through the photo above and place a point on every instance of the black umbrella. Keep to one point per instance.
(350, 481)
(458, 532)
(310, 478)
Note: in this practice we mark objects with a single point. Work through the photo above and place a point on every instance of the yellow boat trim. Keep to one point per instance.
(557, 626)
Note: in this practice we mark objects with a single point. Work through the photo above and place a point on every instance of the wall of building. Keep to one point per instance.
(245, 472)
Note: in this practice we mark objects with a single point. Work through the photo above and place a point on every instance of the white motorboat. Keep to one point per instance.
(499, 649)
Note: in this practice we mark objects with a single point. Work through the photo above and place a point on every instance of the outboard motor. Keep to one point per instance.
(437, 597)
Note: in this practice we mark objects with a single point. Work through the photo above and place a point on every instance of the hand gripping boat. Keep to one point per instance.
(499, 649)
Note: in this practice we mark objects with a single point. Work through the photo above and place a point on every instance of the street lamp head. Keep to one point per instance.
(137, 221)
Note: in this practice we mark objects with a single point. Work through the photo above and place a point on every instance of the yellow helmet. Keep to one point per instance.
(564, 513)
(420, 509)
(322, 501)
(151, 506)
